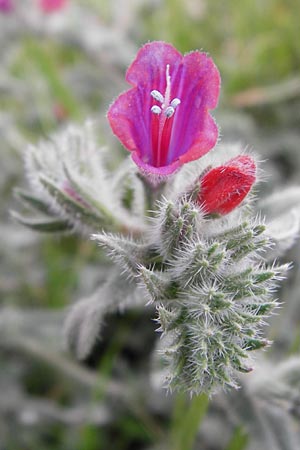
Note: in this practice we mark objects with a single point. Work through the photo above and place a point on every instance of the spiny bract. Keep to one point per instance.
(211, 288)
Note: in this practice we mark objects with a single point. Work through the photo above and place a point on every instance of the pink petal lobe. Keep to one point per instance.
(126, 119)
(148, 70)
(206, 140)
(198, 86)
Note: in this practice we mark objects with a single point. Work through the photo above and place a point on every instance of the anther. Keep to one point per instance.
(175, 102)
(157, 96)
(156, 109)
(167, 107)
(169, 111)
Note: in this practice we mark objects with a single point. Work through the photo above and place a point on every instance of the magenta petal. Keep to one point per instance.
(198, 86)
(204, 141)
(148, 70)
(159, 144)
(157, 172)
(126, 118)
(129, 116)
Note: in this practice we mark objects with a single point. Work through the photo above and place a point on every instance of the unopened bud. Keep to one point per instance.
(223, 188)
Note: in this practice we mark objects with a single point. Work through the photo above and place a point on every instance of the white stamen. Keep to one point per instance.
(157, 96)
(168, 86)
(167, 107)
(156, 109)
(175, 102)
(169, 111)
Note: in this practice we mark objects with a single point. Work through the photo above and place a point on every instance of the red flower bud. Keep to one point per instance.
(225, 187)
(50, 6)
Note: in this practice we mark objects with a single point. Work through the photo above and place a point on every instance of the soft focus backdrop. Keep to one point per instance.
(63, 62)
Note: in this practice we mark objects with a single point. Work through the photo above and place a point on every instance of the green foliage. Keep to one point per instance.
(73, 190)
(243, 38)
(41, 57)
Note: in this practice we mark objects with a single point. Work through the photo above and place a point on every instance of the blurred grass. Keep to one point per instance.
(254, 43)
(48, 62)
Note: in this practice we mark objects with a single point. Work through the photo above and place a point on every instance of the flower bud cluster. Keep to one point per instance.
(211, 291)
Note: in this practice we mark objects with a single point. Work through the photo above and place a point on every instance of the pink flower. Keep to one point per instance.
(225, 187)
(6, 6)
(49, 6)
(164, 118)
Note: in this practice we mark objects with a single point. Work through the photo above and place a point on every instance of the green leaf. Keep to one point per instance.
(261, 309)
(28, 199)
(261, 277)
(168, 319)
(256, 344)
(43, 225)
(70, 206)
(101, 209)
(127, 253)
(159, 286)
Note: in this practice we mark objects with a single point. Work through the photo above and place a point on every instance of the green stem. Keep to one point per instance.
(238, 440)
(186, 421)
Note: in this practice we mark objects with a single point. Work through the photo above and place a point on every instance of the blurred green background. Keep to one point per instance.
(67, 66)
